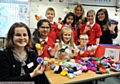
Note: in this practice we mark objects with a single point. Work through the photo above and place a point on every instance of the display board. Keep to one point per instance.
(11, 13)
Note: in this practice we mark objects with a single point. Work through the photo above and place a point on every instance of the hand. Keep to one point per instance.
(53, 50)
(37, 71)
(56, 47)
(79, 25)
(40, 52)
(87, 28)
(111, 27)
(82, 52)
(59, 26)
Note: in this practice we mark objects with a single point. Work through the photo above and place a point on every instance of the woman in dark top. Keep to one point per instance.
(79, 13)
(17, 63)
(79, 17)
(109, 31)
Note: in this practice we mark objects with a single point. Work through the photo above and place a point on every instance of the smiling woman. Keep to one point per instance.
(19, 62)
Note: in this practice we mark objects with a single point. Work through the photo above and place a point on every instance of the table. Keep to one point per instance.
(84, 77)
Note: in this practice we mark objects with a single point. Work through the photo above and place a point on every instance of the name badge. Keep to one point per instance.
(30, 65)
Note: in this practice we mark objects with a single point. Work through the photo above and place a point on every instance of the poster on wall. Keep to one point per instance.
(11, 13)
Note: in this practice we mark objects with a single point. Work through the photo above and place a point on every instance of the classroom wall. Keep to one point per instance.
(40, 7)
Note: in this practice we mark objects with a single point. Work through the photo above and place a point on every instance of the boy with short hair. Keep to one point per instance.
(50, 14)
(83, 49)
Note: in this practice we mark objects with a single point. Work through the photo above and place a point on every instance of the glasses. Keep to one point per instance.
(43, 27)
(84, 39)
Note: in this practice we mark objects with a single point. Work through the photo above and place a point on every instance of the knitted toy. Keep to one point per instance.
(82, 46)
(59, 20)
(80, 21)
(40, 46)
(102, 66)
(37, 17)
(88, 24)
(92, 49)
(42, 61)
(113, 22)
(115, 66)
(63, 49)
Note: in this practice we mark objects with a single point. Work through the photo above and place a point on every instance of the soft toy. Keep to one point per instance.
(88, 25)
(42, 61)
(37, 17)
(63, 49)
(102, 66)
(40, 46)
(59, 20)
(70, 75)
(92, 49)
(80, 21)
(113, 22)
(115, 67)
(57, 69)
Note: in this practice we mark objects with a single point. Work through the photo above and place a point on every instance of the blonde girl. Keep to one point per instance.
(66, 44)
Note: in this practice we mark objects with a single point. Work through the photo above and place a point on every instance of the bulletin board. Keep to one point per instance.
(11, 13)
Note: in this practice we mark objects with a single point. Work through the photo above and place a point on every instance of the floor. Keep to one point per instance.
(111, 80)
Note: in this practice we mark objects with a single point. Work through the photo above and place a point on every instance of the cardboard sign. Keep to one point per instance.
(108, 50)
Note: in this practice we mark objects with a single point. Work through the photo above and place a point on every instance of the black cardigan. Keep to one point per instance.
(107, 37)
(10, 68)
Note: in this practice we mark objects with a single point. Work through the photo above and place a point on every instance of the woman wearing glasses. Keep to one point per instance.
(43, 28)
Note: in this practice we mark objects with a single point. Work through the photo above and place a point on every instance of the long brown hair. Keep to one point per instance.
(104, 23)
(10, 35)
(83, 12)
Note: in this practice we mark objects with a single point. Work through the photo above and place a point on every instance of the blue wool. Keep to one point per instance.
(90, 59)
(71, 71)
(39, 59)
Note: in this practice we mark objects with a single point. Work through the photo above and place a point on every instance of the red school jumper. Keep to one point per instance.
(93, 33)
(52, 33)
(50, 43)
(85, 54)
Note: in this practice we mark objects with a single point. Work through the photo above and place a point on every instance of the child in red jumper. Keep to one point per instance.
(69, 21)
(48, 50)
(92, 29)
(50, 14)
(83, 50)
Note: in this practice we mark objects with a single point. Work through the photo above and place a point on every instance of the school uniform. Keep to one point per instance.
(52, 34)
(93, 33)
(69, 51)
(85, 54)
(54, 26)
(50, 43)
